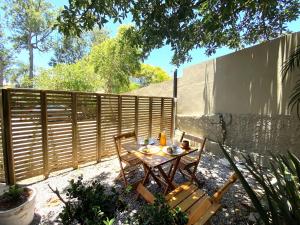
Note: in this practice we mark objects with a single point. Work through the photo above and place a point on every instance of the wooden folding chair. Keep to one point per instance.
(131, 161)
(188, 164)
(199, 206)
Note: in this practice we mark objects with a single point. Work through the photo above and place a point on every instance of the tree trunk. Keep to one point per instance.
(1, 77)
(30, 63)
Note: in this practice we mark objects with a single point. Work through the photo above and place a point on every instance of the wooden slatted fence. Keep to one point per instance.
(2, 172)
(46, 131)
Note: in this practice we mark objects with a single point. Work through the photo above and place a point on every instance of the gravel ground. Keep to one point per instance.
(212, 171)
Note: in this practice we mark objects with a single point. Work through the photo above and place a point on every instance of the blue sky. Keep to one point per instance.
(158, 57)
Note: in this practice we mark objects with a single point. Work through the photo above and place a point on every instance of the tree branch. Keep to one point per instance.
(58, 195)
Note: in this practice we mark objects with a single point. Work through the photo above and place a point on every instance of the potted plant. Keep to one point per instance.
(17, 206)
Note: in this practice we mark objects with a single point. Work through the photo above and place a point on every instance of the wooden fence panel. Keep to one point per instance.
(168, 113)
(109, 123)
(59, 119)
(26, 133)
(128, 114)
(87, 127)
(143, 116)
(156, 116)
(46, 131)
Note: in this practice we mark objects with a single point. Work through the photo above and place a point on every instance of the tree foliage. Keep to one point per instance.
(114, 61)
(185, 25)
(69, 49)
(151, 74)
(111, 67)
(72, 77)
(18, 75)
(5, 57)
(30, 22)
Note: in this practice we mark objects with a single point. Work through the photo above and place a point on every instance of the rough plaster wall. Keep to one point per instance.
(249, 132)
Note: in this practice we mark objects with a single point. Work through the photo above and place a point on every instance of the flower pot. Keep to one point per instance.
(21, 215)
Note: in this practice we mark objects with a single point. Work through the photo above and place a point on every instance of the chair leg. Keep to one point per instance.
(145, 171)
(169, 172)
(123, 174)
(194, 178)
(182, 173)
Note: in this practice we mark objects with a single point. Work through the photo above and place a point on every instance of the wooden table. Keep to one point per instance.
(157, 160)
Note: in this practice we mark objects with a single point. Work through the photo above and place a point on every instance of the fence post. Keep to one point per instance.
(74, 131)
(173, 117)
(44, 120)
(136, 116)
(119, 114)
(98, 128)
(150, 117)
(162, 119)
(8, 156)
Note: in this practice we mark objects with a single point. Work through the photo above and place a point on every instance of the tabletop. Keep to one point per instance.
(153, 159)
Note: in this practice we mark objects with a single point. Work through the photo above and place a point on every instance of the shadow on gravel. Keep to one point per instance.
(36, 219)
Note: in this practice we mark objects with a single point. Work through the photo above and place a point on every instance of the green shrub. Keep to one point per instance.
(14, 197)
(14, 193)
(89, 204)
(160, 213)
(280, 204)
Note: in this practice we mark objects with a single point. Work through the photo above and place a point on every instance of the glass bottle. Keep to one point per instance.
(163, 139)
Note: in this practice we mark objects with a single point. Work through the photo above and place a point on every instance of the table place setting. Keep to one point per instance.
(172, 150)
(149, 149)
(150, 146)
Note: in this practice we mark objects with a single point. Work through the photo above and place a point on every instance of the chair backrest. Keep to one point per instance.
(200, 140)
(118, 139)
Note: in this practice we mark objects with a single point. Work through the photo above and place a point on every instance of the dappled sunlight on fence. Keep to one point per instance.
(48, 131)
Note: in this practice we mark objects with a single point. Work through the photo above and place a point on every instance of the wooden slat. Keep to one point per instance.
(191, 199)
(201, 211)
(180, 194)
(145, 193)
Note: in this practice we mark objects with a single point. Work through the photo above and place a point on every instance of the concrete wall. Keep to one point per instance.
(246, 88)
(247, 81)
(163, 89)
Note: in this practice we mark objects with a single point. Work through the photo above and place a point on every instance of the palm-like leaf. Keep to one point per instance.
(291, 63)
(282, 198)
(295, 98)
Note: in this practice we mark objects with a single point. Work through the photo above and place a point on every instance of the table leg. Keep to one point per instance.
(171, 177)
(168, 180)
(152, 174)
(146, 175)
(145, 171)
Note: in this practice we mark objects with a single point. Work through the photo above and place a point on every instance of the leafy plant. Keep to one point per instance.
(292, 63)
(281, 201)
(160, 213)
(14, 197)
(14, 193)
(89, 204)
